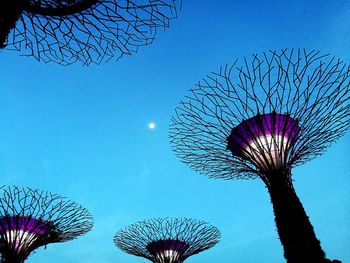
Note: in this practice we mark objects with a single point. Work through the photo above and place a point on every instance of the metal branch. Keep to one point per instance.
(30, 218)
(85, 31)
(311, 88)
(167, 240)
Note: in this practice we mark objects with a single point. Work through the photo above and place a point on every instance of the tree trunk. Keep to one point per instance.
(293, 225)
(7, 259)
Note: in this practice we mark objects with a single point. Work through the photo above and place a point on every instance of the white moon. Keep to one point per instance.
(151, 125)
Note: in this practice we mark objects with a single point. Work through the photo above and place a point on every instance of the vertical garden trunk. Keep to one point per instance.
(11, 259)
(10, 11)
(293, 225)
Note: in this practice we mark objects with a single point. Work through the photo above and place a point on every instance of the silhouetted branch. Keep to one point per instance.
(30, 218)
(167, 240)
(88, 31)
(311, 88)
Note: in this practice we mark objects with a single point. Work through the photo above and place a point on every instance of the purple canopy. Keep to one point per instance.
(20, 232)
(25, 224)
(169, 249)
(264, 139)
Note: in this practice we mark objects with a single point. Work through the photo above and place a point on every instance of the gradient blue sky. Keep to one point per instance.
(82, 132)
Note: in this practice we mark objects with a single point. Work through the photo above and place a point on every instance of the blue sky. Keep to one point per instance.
(82, 132)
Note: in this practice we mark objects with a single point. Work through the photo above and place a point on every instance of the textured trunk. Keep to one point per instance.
(293, 225)
(11, 260)
(10, 11)
(9, 256)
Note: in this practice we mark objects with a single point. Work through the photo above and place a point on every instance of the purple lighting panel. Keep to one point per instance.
(168, 250)
(21, 232)
(265, 140)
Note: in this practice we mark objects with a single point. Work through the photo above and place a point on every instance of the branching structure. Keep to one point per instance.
(259, 120)
(167, 240)
(32, 218)
(88, 31)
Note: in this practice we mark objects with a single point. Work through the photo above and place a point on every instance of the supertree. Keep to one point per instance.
(261, 118)
(167, 240)
(88, 31)
(31, 218)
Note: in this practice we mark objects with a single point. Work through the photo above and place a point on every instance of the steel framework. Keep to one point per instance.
(85, 31)
(261, 118)
(167, 240)
(31, 218)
